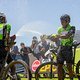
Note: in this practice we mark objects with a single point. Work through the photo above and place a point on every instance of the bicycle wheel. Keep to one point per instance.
(46, 70)
(24, 73)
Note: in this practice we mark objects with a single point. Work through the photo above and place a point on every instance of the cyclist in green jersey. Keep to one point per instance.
(65, 35)
(5, 40)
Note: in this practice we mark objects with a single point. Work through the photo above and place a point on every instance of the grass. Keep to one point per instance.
(50, 79)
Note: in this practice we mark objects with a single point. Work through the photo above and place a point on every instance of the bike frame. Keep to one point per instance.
(74, 52)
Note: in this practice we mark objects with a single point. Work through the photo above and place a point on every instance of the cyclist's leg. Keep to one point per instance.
(2, 59)
(69, 61)
(69, 66)
(60, 62)
(60, 71)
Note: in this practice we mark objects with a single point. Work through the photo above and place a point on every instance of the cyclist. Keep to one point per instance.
(65, 35)
(4, 39)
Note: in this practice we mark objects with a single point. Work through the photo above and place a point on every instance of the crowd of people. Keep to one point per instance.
(37, 49)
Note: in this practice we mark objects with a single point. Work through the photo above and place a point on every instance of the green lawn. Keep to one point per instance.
(50, 79)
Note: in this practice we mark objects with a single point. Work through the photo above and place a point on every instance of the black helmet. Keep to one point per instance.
(65, 17)
(2, 18)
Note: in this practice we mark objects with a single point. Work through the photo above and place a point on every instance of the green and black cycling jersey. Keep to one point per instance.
(4, 29)
(68, 41)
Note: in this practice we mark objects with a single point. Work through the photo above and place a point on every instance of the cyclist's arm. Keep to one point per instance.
(69, 34)
(8, 31)
(64, 36)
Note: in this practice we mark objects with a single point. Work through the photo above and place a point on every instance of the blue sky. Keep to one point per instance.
(36, 17)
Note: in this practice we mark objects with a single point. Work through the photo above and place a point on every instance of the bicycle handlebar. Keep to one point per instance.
(77, 44)
(52, 51)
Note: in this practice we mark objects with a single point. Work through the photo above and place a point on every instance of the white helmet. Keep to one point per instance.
(2, 18)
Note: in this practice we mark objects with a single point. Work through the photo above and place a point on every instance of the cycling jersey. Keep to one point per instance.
(69, 40)
(8, 28)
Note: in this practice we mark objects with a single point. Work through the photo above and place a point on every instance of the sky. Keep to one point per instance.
(36, 17)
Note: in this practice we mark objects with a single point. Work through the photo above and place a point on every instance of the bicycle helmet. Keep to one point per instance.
(65, 17)
(2, 18)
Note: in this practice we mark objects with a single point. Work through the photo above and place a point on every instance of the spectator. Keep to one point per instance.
(14, 52)
(35, 48)
(43, 46)
(24, 53)
(35, 39)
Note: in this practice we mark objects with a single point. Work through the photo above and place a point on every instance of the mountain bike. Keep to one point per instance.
(10, 71)
(6, 74)
(50, 68)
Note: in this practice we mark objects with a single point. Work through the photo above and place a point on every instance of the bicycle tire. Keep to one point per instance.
(18, 62)
(42, 65)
